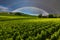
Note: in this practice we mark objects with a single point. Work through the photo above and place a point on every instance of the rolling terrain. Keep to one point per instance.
(29, 28)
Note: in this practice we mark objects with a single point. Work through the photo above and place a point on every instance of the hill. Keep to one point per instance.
(14, 14)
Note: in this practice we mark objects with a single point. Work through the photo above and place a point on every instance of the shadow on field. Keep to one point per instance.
(14, 19)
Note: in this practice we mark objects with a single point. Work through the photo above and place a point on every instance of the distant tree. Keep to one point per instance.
(58, 16)
(51, 16)
(10, 13)
(18, 13)
(40, 15)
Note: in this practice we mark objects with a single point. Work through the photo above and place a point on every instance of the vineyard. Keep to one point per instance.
(23, 28)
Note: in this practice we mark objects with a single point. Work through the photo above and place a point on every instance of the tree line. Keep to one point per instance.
(49, 16)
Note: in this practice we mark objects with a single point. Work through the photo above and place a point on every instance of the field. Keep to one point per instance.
(29, 28)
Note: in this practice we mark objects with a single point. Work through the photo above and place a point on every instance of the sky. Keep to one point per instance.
(50, 6)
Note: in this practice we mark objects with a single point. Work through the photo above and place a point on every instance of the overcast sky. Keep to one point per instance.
(51, 6)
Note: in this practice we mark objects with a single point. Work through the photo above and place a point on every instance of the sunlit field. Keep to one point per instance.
(29, 28)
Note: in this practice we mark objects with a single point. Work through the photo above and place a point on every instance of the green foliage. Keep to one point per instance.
(18, 13)
(23, 28)
(50, 16)
(40, 15)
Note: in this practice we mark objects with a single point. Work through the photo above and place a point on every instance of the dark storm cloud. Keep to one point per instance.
(51, 6)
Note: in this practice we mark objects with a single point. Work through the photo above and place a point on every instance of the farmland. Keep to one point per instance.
(29, 28)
